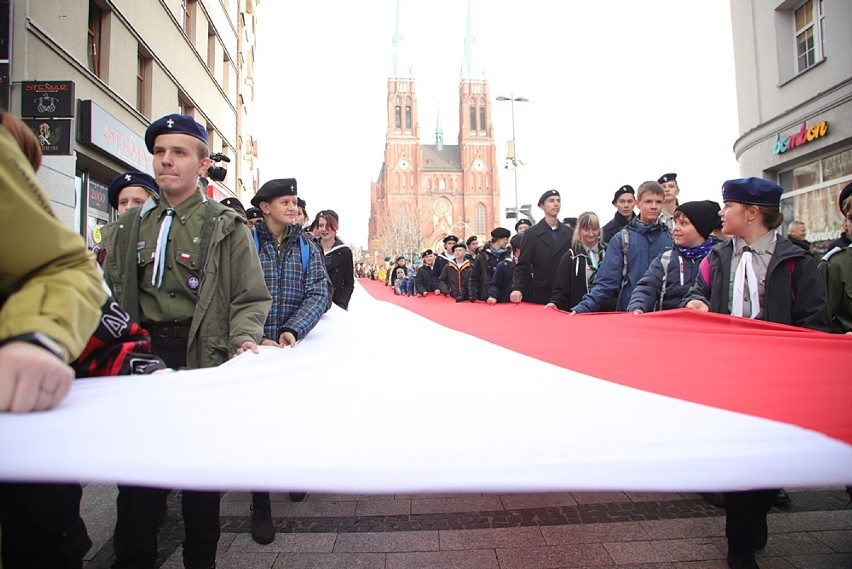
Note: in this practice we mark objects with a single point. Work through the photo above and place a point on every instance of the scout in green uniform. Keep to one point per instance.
(186, 268)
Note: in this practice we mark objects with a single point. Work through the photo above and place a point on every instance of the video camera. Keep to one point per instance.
(217, 173)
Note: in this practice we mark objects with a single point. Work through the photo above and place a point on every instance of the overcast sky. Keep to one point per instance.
(619, 92)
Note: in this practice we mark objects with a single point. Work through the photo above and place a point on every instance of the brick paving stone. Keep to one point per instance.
(820, 561)
(580, 555)
(838, 541)
(387, 542)
(594, 533)
(491, 538)
(663, 551)
(330, 561)
(475, 559)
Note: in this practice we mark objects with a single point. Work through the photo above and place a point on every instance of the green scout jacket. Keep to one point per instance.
(233, 300)
(49, 282)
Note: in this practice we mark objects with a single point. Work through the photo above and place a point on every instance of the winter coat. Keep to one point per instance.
(500, 286)
(426, 279)
(483, 269)
(541, 250)
(570, 284)
(49, 281)
(609, 230)
(645, 242)
(794, 293)
(453, 280)
(680, 276)
(339, 266)
(232, 298)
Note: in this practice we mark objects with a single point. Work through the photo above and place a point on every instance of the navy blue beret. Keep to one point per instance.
(752, 191)
(500, 232)
(626, 189)
(546, 195)
(667, 178)
(130, 179)
(273, 189)
(174, 124)
(235, 205)
(254, 213)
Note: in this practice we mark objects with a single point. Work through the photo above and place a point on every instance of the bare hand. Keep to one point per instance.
(31, 378)
(246, 346)
(287, 339)
(516, 296)
(268, 342)
(550, 305)
(572, 313)
(638, 311)
(491, 300)
(697, 305)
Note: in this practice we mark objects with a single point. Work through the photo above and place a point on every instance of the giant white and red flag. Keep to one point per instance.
(423, 394)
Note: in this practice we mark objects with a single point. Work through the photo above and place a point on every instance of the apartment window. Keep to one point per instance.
(184, 106)
(93, 47)
(186, 8)
(226, 76)
(810, 27)
(143, 82)
(211, 48)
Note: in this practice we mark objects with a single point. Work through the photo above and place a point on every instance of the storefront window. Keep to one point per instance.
(818, 208)
(97, 210)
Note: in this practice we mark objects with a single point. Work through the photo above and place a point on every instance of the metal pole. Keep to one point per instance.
(514, 155)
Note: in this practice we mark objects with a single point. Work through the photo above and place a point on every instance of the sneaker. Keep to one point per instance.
(298, 496)
(262, 530)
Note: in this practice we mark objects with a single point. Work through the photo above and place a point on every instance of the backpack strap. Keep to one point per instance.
(665, 260)
(306, 253)
(625, 245)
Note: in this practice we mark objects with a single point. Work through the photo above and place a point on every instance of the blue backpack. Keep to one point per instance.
(304, 248)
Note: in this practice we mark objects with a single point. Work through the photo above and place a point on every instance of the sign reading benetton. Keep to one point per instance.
(47, 99)
(804, 135)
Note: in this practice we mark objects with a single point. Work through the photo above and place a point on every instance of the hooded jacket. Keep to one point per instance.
(794, 291)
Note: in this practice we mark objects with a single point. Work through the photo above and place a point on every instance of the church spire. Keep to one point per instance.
(439, 132)
(467, 64)
(399, 66)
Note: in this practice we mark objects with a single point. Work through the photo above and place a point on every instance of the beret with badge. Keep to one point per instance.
(667, 178)
(547, 194)
(450, 238)
(235, 205)
(625, 189)
(752, 191)
(254, 213)
(521, 222)
(274, 189)
(174, 124)
(130, 179)
(426, 253)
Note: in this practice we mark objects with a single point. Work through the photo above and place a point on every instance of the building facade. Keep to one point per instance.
(89, 76)
(427, 191)
(794, 91)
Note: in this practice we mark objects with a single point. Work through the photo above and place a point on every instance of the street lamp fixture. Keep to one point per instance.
(511, 154)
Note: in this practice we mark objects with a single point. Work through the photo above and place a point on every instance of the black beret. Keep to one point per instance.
(174, 124)
(426, 253)
(521, 222)
(625, 189)
(516, 240)
(844, 195)
(752, 191)
(704, 215)
(546, 195)
(273, 189)
(459, 245)
(235, 205)
(130, 179)
(667, 178)
(500, 232)
(451, 238)
(301, 203)
(471, 239)
(254, 213)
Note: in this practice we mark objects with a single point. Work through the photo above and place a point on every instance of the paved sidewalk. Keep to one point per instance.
(498, 531)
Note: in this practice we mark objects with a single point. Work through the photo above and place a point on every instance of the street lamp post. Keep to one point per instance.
(514, 155)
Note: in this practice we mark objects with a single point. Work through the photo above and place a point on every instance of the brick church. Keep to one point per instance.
(439, 188)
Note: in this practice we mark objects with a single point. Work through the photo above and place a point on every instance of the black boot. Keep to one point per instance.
(742, 561)
(262, 530)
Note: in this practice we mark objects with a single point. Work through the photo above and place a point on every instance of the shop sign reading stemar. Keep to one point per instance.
(804, 135)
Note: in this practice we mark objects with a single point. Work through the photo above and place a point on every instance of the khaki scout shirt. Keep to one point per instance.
(175, 301)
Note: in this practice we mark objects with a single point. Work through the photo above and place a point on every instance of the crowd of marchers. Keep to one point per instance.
(183, 281)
